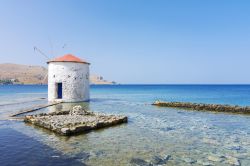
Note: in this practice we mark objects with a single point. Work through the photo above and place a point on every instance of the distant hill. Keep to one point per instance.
(25, 74)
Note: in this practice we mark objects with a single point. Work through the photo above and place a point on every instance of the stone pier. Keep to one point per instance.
(205, 107)
(74, 121)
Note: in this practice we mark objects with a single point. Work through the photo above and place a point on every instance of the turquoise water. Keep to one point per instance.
(187, 137)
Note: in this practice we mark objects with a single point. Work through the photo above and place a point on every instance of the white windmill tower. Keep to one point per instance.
(68, 78)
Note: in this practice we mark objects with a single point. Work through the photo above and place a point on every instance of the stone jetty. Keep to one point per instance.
(205, 107)
(34, 108)
(74, 121)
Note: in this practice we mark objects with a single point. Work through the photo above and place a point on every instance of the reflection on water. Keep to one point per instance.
(151, 134)
(67, 106)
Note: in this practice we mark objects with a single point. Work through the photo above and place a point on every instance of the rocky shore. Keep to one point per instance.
(205, 107)
(74, 121)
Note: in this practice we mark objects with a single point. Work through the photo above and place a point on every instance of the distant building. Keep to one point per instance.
(13, 80)
(98, 80)
(68, 79)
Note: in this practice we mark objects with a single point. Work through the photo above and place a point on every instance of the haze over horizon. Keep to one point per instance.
(142, 41)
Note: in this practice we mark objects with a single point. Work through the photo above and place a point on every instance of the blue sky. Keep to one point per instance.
(134, 41)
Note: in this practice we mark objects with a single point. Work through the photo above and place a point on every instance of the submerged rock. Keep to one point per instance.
(99, 154)
(233, 161)
(189, 160)
(166, 158)
(157, 160)
(139, 162)
(215, 158)
(207, 164)
(204, 162)
(238, 149)
(82, 156)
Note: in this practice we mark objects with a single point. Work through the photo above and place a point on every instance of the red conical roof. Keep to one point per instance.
(68, 58)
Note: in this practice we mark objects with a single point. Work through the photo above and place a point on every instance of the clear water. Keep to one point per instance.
(190, 137)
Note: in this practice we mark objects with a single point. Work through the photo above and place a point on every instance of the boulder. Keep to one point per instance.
(78, 110)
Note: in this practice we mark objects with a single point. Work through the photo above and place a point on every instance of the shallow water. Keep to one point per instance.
(189, 137)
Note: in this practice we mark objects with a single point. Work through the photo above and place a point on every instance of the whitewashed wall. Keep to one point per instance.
(74, 78)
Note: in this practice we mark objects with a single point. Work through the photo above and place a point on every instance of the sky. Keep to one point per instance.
(134, 41)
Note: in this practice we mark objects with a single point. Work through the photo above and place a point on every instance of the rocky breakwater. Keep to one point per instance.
(74, 121)
(205, 107)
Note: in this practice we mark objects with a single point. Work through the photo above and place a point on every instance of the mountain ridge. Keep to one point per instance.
(11, 73)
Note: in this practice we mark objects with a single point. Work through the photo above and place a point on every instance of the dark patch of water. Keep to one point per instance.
(19, 149)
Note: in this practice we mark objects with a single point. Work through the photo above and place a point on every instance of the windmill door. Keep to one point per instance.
(59, 90)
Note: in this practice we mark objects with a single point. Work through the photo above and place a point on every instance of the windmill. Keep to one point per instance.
(36, 49)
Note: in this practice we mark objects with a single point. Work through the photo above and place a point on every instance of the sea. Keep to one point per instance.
(153, 135)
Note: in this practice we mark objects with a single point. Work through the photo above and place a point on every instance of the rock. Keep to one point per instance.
(65, 130)
(189, 160)
(78, 110)
(157, 161)
(233, 161)
(157, 102)
(166, 158)
(214, 158)
(82, 156)
(100, 153)
(139, 162)
(207, 164)
(204, 162)
(95, 154)
(237, 148)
